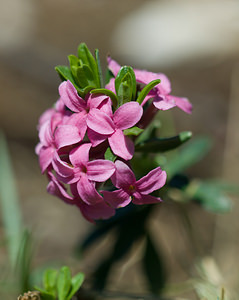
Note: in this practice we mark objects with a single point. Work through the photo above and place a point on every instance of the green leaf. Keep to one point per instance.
(133, 131)
(49, 280)
(190, 154)
(209, 195)
(153, 267)
(65, 73)
(76, 283)
(109, 155)
(146, 90)
(87, 58)
(99, 68)
(9, 203)
(125, 90)
(44, 294)
(109, 93)
(163, 144)
(126, 74)
(84, 76)
(73, 61)
(63, 283)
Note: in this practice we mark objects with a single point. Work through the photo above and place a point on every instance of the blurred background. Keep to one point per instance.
(195, 43)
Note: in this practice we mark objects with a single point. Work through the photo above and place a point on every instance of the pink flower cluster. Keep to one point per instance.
(75, 134)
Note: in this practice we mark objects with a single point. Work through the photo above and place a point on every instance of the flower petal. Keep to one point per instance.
(127, 115)
(95, 100)
(80, 155)
(56, 188)
(117, 198)
(113, 66)
(121, 145)
(100, 122)
(111, 85)
(145, 77)
(45, 157)
(123, 176)
(153, 181)
(182, 103)
(87, 191)
(141, 199)
(61, 167)
(162, 103)
(96, 138)
(70, 97)
(100, 170)
(99, 210)
(66, 135)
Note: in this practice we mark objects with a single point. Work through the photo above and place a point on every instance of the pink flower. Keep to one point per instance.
(81, 107)
(83, 172)
(131, 190)
(53, 135)
(100, 210)
(109, 127)
(161, 92)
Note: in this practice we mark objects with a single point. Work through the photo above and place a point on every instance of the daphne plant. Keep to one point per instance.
(93, 131)
(60, 285)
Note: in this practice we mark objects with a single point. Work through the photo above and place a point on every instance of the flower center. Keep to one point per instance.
(84, 169)
(132, 188)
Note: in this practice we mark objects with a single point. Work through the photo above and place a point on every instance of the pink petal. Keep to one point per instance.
(79, 156)
(121, 145)
(123, 177)
(87, 191)
(70, 97)
(56, 188)
(117, 198)
(46, 116)
(45, 134)
(66, 135)
(100, 122)
(78, 120)
(113, 66)
(127, 115)
(153, 181)
(182, 103)
(61, 167)
(95, 100)
(111, 85)
(100, 170)
(140, 199)
(145, 77)
(96, 138)
(99, 210)
(163, 104)
(45, 157)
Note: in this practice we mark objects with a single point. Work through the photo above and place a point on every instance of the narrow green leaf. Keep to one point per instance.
(190, 154)
(153, 267)
(109, 155)
(82, 80)
(24, 261)
(88, 59)
(163, 144)
(146, 90)
(65, 73)
(76, 283)
(209, 195)
(49, 280)
(63, 283)
(9, 202)
(73, 61)
(97, 57)
(109, 93)
(126, 74)
(125, 90)
(133, 131)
